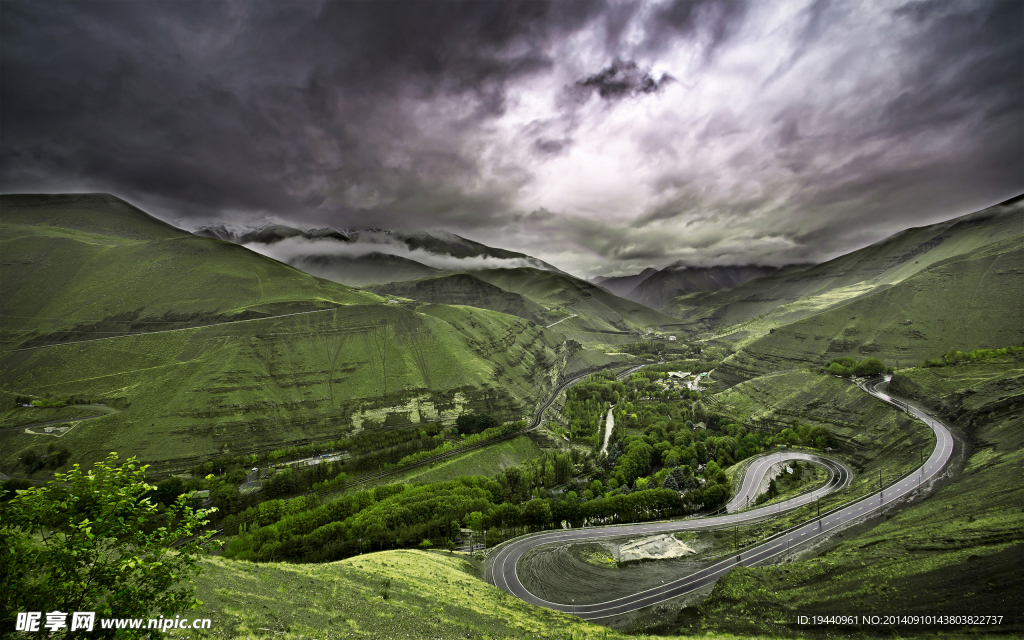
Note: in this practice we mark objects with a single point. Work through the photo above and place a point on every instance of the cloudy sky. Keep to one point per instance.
(602, 137)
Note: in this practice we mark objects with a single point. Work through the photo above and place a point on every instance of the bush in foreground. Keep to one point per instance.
(92, 542)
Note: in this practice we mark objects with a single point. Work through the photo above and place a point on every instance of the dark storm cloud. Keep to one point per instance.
(209, 107)
(729, 131)
(623, 79)
(686, 18)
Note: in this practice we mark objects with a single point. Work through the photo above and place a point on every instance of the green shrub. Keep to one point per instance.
(869, 367)
(837, 369)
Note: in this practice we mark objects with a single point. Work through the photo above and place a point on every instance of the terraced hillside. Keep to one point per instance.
(752, 309)
(970, 300)
(313, 360)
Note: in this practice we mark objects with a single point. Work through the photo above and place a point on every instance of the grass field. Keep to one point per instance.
(430, 595)
(187, 395)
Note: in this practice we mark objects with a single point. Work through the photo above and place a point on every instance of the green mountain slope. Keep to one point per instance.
(229, 351)
(464, 289)
(189, 395)
(370, 269)
(599, 314)
(780, 299)
(93, 266)
(971, 300)
(622, 285)
(678, 279)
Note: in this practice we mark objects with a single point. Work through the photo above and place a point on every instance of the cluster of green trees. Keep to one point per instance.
(653, 348)
(369, 449)
(50, 401)
(475, 423)
(227, 499)
(847, 366)
(405, 515)
(493, 432)
(953, 357)
(586, 404)
(53, 457)
(673, 467)
(549, 470)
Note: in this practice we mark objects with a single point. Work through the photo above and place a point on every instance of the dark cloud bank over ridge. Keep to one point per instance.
(602, 137)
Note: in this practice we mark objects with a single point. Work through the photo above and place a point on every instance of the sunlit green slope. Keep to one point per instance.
(429, 595)
(93, 265)
(971, 300)
(757, 306)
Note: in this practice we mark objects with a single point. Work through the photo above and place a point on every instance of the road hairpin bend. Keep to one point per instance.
(503, 560)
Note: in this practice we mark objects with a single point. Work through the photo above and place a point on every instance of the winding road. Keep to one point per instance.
(503, 561)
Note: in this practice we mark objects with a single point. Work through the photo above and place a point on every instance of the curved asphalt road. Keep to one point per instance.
(501, 568)
(839, 476)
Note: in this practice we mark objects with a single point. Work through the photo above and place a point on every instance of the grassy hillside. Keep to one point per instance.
(85, 267)
(81, 267)
(246, 387)
(429, 595)
(971, 300)
(773, 301)
(369, 269)
(659, 289)
(481, 462)
(465, 289)
(958, 552)
(599, 314)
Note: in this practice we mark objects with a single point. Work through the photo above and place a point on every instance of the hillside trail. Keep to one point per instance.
(103, 411)
(609, 424)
